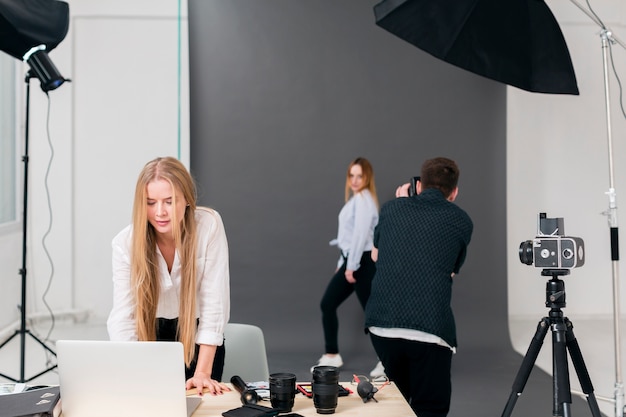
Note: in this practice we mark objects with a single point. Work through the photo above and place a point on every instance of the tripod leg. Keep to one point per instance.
(560, 371)
(1, 346)
(581, 369)
(36, 339)
(527, 365)
(9, 339)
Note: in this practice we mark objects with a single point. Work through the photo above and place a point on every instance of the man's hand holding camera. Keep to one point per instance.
(409, 189)
(403, 190)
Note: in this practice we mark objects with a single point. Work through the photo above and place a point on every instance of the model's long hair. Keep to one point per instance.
(368, 177)
(144, 264)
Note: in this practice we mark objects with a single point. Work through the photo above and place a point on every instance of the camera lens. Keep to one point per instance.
(526, 252)
(325, 389)
(282, 391)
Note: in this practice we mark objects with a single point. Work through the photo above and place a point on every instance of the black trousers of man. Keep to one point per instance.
(420, 370)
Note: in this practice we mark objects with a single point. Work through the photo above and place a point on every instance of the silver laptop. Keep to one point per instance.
(123, 379)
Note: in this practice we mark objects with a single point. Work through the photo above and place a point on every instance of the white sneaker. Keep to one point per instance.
(327, 360)
(378, 371)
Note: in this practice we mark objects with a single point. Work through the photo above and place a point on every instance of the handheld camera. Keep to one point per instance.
(413, 187)
(550, 249)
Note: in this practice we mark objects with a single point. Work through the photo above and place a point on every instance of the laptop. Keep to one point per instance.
(123, 379)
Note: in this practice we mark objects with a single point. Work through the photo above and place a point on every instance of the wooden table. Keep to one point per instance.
(390, 403)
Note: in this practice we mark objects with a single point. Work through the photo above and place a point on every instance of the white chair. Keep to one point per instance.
(245, 353)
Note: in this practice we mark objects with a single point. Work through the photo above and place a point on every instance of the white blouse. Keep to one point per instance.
(213, 287)
(357, 220)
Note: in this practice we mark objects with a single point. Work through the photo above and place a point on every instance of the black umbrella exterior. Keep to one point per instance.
(28, 23)
(516, 42)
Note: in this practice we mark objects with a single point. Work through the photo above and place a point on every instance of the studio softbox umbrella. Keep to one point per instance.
(25, 24)
(516, 42)
(29, 29)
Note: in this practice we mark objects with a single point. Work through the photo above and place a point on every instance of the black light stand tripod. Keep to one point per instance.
(563, 340)
(23, 331)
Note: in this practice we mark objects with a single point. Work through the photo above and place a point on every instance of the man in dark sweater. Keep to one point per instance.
(420, 243)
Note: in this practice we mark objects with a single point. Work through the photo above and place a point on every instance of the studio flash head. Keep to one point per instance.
(550, 249)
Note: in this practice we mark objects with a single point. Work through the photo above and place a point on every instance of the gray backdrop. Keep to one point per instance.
(284, 94)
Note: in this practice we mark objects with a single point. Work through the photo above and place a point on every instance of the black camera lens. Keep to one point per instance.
(526, 252)
(282, 391)
(325, 386)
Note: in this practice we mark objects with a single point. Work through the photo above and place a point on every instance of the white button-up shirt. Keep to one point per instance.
(357, 220)
(213, 288)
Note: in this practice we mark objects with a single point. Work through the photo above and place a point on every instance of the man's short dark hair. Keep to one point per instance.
(441, 173)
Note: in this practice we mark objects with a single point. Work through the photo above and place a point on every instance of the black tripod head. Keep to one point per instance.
(555, 288)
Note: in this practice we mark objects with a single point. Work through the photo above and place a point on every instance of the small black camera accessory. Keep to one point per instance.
(248, 396)
(413, 187)
(366, 391)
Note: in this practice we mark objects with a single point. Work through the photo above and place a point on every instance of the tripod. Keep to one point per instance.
(563, 340)
(22, 332)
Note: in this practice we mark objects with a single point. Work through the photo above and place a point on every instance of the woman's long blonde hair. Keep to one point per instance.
(368, 177)
(144, 264)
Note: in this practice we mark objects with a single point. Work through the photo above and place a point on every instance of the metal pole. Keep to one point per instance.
(611, 213)
(24, 234)
(612, 220)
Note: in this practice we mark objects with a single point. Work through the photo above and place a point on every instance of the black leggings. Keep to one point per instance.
(166, 331)
(338, 290)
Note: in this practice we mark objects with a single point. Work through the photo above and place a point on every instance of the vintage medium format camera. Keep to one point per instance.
(550, 249)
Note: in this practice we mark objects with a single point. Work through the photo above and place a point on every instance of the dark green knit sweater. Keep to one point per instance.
(421, 240)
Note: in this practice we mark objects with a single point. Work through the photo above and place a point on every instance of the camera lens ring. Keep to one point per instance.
(526, 252)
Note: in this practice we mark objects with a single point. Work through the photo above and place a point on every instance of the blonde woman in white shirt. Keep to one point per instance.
(355, 268)
(171, 273)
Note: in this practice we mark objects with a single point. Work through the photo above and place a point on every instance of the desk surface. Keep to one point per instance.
(390, 403)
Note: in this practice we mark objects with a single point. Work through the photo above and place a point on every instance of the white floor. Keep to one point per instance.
(596, 341)
(595, 338)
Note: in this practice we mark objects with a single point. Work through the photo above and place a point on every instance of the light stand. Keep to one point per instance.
(606, 36)
(22, 332)
(28, 30)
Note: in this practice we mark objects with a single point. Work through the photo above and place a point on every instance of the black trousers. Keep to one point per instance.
(338, 290)
(420, 370)
(166, 331)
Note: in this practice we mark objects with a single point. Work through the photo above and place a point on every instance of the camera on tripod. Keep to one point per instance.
(550, 249)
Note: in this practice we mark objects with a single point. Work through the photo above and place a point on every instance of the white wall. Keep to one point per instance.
(120, 110)
(11, 261)
(557, 162)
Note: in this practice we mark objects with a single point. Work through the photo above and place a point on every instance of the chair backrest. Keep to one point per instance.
(245, 353)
